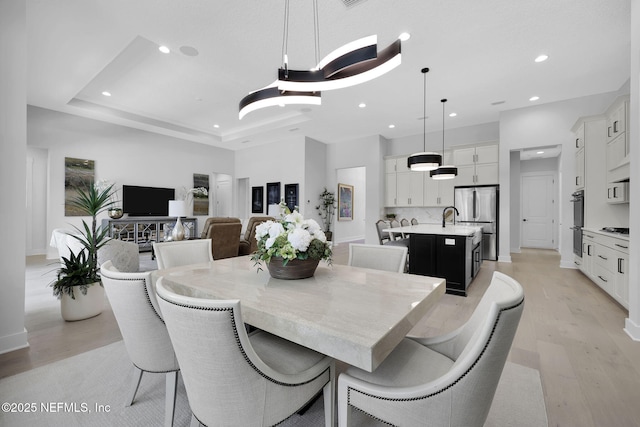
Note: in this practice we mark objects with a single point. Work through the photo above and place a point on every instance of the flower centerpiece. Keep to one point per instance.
(292, 247)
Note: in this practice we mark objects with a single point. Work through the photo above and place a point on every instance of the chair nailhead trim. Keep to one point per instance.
(144, 286)
(350, 389)
(239, 344)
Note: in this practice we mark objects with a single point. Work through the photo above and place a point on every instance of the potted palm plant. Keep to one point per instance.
(77, 282)
(327, 208)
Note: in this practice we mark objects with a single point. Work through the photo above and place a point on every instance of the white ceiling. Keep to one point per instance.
(479, 51)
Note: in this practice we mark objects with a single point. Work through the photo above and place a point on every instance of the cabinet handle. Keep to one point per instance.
(609, 193)
(577, 145)
(615, 195)
(601, 257)
(603, 279)
(586, 235)
(589, 250)
(620, 260)
(609, 132)
(620, 246)
(576, 180)
(615, 127)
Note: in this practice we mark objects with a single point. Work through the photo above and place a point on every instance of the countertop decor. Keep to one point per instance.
(288, 243)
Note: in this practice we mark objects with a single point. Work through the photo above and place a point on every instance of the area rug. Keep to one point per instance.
(90, 390)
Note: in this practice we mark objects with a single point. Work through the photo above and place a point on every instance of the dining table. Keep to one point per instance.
(355, 315)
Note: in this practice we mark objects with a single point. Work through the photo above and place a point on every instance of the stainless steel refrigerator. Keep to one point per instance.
(478, 205)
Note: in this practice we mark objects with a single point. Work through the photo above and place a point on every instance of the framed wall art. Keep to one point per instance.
(291, 196)
(345, 202)
(257, 199)
(200, 201)
(273, 193)
(79, 174)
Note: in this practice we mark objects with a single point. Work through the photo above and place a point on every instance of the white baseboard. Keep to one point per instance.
(504, 258)
(632, 329)
(348, 239)
(13, 342)
(567, 264)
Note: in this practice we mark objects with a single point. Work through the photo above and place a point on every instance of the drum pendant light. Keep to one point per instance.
(425, 161)
(446, 171)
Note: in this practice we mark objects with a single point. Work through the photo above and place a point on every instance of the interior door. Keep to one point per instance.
(537, 199)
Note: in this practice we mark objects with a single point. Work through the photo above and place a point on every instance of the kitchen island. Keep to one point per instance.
(453, 252)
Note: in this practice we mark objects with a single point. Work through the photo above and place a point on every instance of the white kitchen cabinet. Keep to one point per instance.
(477, 165)
(579, 175)
(618, 160)
(605, 260)
(579, 137)
(438, 193)
(390, 196)
(618, 192)
(410, 189)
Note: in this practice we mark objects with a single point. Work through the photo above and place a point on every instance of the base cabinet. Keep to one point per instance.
(450, 257)
(605, 260)
(145, 231)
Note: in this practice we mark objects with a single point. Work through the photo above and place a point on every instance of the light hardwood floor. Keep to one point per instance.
(570, 331)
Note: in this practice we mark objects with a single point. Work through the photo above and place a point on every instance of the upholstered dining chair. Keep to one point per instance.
(233, 378)
(143, 331)
(404, 222)
(414, 221)
(444, 381)
(378, 257)
(383, 236)
(182, 252)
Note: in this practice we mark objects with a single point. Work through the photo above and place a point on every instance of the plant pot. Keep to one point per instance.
(84, 306)
(328, 235)
(295, 269)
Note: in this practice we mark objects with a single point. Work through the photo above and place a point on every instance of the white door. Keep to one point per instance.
(537, 196)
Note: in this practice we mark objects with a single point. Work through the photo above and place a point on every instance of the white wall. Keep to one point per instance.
(36, 236)
(315, 177)
(459, 136)
(365, 152)
(632, 324)
(544, 125)
(13, 154)
(346, 231)
(122, 155)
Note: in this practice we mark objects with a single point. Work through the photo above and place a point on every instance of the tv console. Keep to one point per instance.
(145, 230)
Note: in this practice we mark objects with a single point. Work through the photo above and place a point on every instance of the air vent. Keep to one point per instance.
(351, 3)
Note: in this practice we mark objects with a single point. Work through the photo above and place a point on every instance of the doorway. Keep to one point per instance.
(537, 210)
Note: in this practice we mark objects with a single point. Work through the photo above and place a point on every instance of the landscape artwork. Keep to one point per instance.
(200, 201)
(78, 174)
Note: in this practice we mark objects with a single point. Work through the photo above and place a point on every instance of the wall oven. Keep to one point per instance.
(577, 199)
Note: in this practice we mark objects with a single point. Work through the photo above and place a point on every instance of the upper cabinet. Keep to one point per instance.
(618, 163)
(477, 165)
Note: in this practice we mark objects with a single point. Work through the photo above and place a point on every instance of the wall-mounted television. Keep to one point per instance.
(146, 201)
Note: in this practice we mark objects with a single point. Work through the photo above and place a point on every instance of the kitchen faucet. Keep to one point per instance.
(444, 211)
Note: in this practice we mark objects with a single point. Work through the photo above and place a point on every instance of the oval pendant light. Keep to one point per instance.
(445, 171)
(424, 161)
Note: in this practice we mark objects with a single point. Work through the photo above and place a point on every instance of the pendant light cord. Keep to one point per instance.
(316, 28)
(285, 38)
(443, 101)
(424, 111)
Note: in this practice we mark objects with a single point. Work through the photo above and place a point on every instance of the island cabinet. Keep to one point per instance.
(454, 256)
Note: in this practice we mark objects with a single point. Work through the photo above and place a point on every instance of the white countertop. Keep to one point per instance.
(606, 233)
(448, 230)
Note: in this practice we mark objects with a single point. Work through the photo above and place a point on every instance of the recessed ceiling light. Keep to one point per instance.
(453, 114)
(392, 126)
(105, 93)
(542, 58)
(539, 152)
(534, 98)
(216, 126)
(164, 49)
(362, 105)
(404, 37)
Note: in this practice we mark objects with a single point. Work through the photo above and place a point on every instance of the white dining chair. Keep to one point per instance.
(143, 331)
(234, 378)
(378, 257)
(443, 381)
(183, 252)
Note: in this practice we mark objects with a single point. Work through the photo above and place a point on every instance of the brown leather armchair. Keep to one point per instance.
(224, 233)
(248, 243)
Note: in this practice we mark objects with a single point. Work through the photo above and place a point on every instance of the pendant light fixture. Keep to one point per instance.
(354, 63)
(446, 171)
(424, 161)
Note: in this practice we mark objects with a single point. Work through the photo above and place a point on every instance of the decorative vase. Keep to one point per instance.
(84, 306)
(115, 213)
(178, 231)
(294, 269)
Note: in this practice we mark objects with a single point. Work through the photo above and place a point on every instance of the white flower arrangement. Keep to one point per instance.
(292, 237)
